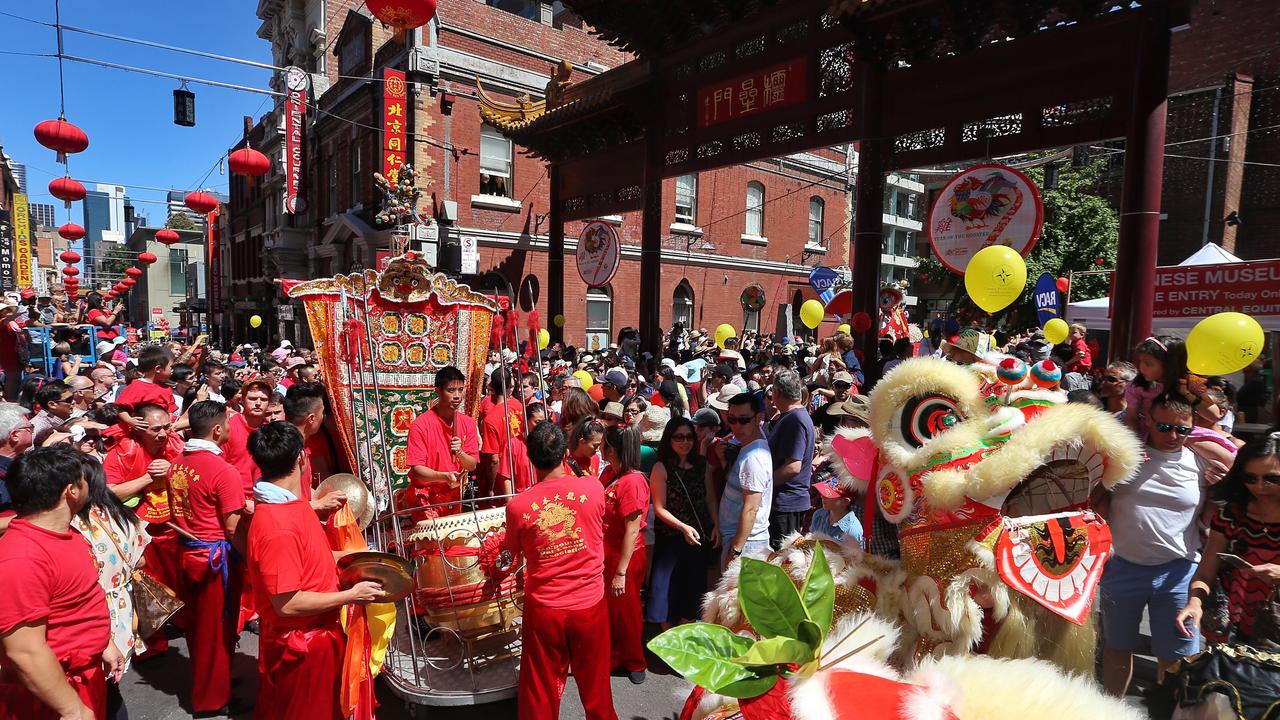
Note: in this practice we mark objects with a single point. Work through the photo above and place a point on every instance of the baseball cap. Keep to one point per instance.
(294, 362)
(618, 378)
(832, 489)
(105, 347)
(842, 377)
(706, 417)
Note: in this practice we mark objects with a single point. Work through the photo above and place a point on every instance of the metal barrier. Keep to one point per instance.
(457, 637)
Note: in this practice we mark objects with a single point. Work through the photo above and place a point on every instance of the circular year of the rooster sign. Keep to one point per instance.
(599, 252)
(982, 206)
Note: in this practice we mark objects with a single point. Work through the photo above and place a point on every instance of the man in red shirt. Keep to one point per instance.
(55, 630)
(504, 466)
(255, 395)
(444, 444)
(304, 408)
(206, 497)
(301, 643)
(137, 468)
(558, 525)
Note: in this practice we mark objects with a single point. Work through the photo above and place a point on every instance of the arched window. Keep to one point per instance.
(755, 209)
(816, 207)
(682, 305)
(599, 318)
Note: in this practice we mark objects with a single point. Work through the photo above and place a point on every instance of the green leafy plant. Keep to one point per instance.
(792, 624)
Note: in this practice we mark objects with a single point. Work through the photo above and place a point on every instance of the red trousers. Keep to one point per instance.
(17, 702)
(299, 673)
(553, 642)
(626, 616)
(161, 556)
(211, 635)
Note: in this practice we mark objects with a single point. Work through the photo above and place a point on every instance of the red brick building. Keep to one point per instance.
(763, 224)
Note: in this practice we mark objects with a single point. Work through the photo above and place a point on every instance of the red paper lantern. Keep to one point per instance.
(62, 137)
(133, 272)
(128, 282)
(403, 14)
(861, 322)
(167, 236)
(70, 257)
(1099, 261)
(247, 161)
(71, 271)
(66, 190)
(201, 202)
(118, 288)
(146, 258)
(1063, 284)
(70, 231)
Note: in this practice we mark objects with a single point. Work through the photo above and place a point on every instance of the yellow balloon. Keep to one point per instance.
(255, 321)
(544, 339)
(995, 277)
(723, 332)
(1224, 343)
(811, 313)
(1056, 330)
(558, 320)
(844, 328)
(585, 378)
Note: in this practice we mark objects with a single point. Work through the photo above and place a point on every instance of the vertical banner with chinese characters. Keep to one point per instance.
(295, 119)
(394, 125)
(215, 263)
(745, 95)
(22, 240)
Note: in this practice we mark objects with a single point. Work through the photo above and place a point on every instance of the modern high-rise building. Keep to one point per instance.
(20, 174)
(43, 215)
(178, 205)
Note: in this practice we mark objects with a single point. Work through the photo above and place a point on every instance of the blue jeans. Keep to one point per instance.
(754, 548)
(677, 582)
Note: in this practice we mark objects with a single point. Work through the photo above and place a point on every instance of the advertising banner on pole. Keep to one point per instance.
(295, 105)
(394, 124)
(22, 240)
(1048, 305)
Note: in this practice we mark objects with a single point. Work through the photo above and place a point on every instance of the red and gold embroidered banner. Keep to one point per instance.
(381, 337)
(394, 123)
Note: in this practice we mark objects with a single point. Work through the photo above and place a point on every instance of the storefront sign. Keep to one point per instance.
(295, 107)
(22, 239)
(1046, 296)
(394, 124)
(599, 253)
(7, 270)
(746, 95)
(1192, 291)
(984, 205)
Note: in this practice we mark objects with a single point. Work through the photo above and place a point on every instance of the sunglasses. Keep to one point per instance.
(1166, 427)
(1111, 378)
(1271, 479)
(682, 437)
(735, 420)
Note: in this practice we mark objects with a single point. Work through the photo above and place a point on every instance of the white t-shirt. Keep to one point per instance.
(751, 471)
(1153, 516)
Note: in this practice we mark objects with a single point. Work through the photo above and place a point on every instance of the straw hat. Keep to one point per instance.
(358, 497)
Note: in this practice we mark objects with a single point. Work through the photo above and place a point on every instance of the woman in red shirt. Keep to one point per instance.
(626, 501)
(583, 456)
(95, 315)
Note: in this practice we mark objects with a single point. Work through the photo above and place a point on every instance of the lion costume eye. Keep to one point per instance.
(925, 417)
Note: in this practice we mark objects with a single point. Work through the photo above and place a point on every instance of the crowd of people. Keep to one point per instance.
(633, 480)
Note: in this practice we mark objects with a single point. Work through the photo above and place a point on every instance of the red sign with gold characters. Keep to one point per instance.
(395, 124)
(746, 95)
(296, 82)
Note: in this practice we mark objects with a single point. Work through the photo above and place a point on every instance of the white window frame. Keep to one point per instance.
(753, 226)
(682, 305)
(691, 216)
(816, 239)
(750, 320)
(490, 163)
(601, 334)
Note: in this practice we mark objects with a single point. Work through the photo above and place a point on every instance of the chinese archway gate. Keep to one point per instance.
(912, 82)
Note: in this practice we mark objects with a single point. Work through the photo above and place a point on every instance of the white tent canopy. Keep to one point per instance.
(1093, 313)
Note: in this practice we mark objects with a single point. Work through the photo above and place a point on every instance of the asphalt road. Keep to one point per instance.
(159, 690)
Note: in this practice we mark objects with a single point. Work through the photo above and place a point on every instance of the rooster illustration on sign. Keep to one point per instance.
(975, 202)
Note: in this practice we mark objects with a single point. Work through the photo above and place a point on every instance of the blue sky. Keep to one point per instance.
(129, 116)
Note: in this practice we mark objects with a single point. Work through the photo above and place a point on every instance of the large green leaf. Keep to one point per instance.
(776, 651)
(819, 593)
(703, 653)
(810, 634)
(770, 600)
(753, 687)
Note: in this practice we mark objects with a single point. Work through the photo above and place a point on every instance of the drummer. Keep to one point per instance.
(206, 498)
(301, 644)
(444, 443)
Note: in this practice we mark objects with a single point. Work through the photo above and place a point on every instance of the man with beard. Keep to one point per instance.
(444, 443)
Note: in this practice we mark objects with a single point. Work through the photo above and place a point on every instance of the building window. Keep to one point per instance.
(755, 209)
(750, 320)
(682, 305)
(816, 207)
(599, 318)
(531, 9)
(907, 248)
(495, 163)
(333, 185)
(357, 182)
(177, 271)
(913, 206)
(687, 199)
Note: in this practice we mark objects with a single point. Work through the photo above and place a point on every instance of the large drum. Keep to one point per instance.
(460, 585)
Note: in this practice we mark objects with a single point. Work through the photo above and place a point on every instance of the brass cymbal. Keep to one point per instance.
(393, 572)
(358, 496)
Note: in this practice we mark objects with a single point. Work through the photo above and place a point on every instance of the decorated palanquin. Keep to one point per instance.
(985, 474)
(380, 338)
